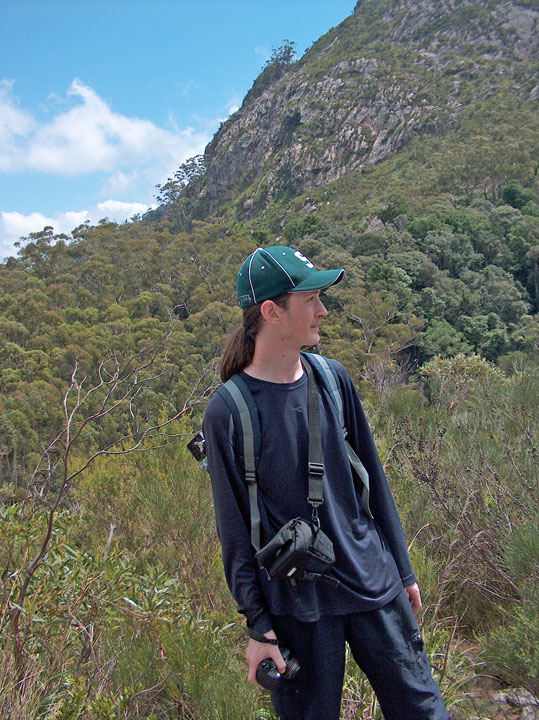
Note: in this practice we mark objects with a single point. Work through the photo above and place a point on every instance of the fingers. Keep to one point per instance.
(414, 596)
(278, 660)
(256, 652)
(251, 677)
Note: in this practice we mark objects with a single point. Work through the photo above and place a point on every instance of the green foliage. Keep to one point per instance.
(442, 338)
(467, 471)
(131, 592)
(204, 661)
(188, 171)
(521, 556)
(512, 193)
(159, 508)
(112, 295)
(282, 55)
(274, 68)
(127, 613)
(510, 651)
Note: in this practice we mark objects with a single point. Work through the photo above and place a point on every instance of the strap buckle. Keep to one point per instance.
(316, 474)
(316, 469)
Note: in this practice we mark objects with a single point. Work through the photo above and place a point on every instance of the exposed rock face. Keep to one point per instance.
(389, 72)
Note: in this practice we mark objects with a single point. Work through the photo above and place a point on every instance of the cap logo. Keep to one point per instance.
(304, 259)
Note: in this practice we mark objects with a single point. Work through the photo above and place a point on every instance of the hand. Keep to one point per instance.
(414, 596)
(257, 651)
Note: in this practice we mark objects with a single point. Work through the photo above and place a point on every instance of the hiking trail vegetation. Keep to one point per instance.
(402, 146)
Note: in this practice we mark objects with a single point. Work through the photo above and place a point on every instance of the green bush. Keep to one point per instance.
(128, 615)
(463, 468)
(511, 651)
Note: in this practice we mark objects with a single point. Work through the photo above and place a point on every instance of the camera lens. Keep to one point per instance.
(269, 677)
(292, 668)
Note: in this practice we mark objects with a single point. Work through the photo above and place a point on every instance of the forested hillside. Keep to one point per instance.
(401, 146)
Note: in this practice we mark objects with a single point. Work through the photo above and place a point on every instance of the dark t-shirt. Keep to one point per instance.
(372, 561)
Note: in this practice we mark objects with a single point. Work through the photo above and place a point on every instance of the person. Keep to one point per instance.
(373, 604)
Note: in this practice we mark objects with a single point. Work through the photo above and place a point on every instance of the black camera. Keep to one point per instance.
(197, 448)
(269, 677)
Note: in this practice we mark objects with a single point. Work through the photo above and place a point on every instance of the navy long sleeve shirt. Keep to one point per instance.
(371, 562)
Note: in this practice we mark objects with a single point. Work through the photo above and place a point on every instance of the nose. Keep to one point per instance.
(322, 310)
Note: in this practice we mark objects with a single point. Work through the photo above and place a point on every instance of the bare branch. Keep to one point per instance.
(155, 689)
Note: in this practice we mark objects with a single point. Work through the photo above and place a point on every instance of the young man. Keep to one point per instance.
(373, 604)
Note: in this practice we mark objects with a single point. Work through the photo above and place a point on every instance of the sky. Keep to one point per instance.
(101, 100)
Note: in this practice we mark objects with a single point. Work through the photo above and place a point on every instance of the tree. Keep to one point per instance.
(282, 55)
(517, 196)
(172, 190)
(441, 338)
(274, 68)
(532, 257)
(120, 390)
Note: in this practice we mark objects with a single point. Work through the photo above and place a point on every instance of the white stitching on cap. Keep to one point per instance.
(283, 269)
(250, 283)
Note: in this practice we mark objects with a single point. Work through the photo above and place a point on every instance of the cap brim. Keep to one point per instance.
(319, 280)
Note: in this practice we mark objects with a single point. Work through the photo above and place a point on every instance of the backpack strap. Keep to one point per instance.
(235, 392)
(327, 374)
(237, 395)
(315, 456)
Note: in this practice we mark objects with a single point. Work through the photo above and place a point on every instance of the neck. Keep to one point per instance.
(274, 363)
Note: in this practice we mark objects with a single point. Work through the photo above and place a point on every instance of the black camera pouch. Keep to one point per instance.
(297, 547)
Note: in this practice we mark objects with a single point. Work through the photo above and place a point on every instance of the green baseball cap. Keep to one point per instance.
(268, 272)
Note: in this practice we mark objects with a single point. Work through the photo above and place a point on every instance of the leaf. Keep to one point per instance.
(132, 603)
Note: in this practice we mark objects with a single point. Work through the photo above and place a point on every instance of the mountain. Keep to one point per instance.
(403, 147)
(390, 73)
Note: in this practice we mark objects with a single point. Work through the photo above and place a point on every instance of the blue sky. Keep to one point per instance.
(102, 100)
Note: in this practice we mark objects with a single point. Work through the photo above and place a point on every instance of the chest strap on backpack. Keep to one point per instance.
(328, 376)
(237, 392)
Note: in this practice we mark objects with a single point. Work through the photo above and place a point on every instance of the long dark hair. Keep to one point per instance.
(240, 346)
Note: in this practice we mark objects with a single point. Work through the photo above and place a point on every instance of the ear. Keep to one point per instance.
(271, 312)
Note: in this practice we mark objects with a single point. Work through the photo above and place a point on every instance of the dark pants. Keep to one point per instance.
(387, 646)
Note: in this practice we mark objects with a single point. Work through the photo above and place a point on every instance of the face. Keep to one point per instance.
(301, 318)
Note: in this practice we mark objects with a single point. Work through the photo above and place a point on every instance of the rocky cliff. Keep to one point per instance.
(390, 72)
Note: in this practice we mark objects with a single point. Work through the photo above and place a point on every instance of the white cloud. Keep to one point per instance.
(14, 125)
(119, 211)
(91, 137)
(15, 225)
(121, 183)
(88, 137)
(81, 135)
(262, 52)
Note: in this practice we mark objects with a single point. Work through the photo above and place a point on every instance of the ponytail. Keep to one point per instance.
(240, 347)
